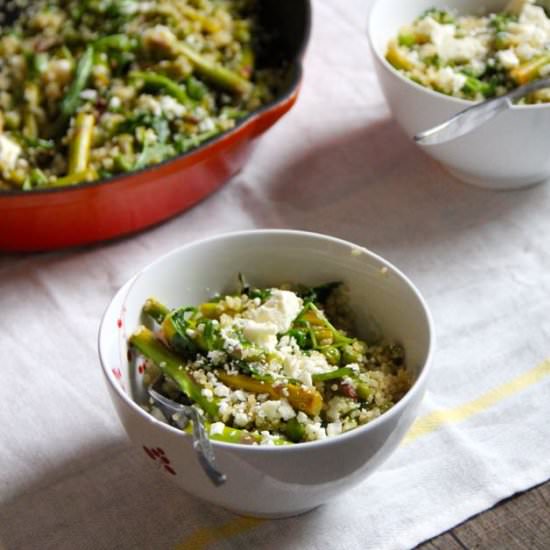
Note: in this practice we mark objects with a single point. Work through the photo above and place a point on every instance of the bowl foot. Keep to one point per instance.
(496, 184)
(273, 515)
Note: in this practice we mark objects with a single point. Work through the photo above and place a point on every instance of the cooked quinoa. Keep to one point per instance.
(476, 57)
(271, 366)
(94, 88)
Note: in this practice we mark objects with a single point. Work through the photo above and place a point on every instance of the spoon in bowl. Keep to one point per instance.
(472, 117)
(181, 414)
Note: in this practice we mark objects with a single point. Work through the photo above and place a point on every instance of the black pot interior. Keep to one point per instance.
(287, 23)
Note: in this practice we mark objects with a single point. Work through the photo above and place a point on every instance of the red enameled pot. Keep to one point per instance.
(97, 211)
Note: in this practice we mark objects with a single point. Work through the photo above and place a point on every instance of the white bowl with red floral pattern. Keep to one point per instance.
(267, 481)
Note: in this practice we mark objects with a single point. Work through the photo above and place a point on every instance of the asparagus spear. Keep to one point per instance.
(473, 86)
(119, 42)
(313, 330)
(71, 100)
(155, 80)
(31, 95)
(209, 24)
(364, 391)
(166, 41)
(217, 74)
(333, 374)
(81, 143)
(294, 430)
(530, 70)
(30, 126)
(147, 344)
(235, 435)
(77, 177)
(395, 56)
(175, 329)
(157, 311)
(307, 400)
(170, 364)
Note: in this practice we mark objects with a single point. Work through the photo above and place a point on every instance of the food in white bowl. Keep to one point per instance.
(508, 152)
(270, 366)
(269, 480)
(476, 57)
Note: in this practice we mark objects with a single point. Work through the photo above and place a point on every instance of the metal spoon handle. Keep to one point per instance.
(472, 117)
(204, 450)
(201, 443)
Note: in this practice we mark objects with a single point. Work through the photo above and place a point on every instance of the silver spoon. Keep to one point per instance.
(471, 118)
(181, 415)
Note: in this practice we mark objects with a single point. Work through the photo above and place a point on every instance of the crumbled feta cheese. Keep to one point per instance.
(115, 103)
(478, 67)
(239, 395)
(315, 431)
(263, 335)
(534, 15)
(508, 58)
(9, 153)
(267, 438)
(206, 392)
(270, 410)
(280, 309)
(172, 108)
(302, 367)
(334, 428)
(207, 125)
(217, 428)
(216, 357)
(448, 47)
(225, 409)
(241, 419)
(340, 406)
(449, 80)
(262, 324)
(150, 104)
(525, 51)
(89, 94)
(285, 410)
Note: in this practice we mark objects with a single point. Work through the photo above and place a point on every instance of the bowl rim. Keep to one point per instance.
(294, 68)
(417, 385)
(390, 68)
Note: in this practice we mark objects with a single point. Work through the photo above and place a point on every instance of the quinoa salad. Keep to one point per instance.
(270, 366)
(476, 57)
(95, 88)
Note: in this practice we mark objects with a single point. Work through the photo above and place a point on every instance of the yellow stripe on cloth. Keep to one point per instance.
(433, 421)
(202, 538)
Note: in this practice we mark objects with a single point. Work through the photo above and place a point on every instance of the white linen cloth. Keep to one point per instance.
(336, 164)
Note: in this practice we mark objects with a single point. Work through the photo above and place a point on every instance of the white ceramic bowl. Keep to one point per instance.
(270, 481)
(509, 152)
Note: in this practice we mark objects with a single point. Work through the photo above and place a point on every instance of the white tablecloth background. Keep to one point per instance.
(336, 164)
